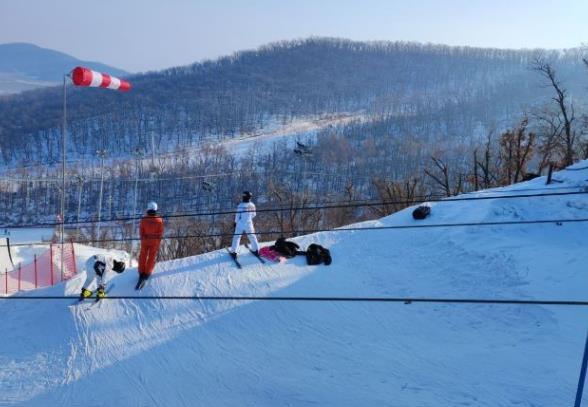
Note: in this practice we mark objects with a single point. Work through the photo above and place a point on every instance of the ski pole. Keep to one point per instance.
(582, 376)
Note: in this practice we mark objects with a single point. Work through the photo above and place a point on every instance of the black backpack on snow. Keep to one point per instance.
(317, 254)
(421, 212)
(286, 248)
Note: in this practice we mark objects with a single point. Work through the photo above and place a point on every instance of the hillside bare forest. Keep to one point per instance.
(427, 121)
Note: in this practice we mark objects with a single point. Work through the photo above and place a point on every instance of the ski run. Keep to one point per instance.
(162, 352)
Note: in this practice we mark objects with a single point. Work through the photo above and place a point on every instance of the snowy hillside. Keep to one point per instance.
(139, 352)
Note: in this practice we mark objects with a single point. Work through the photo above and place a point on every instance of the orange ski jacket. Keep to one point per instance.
(151, 229)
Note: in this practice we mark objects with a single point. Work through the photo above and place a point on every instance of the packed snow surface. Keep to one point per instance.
(159, 352)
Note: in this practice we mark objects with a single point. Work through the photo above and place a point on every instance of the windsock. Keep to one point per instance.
(86, 77)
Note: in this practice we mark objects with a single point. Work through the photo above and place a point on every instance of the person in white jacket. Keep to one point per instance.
(244, 224)
(99, 268)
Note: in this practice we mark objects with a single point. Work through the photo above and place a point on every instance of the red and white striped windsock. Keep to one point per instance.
(86, 77)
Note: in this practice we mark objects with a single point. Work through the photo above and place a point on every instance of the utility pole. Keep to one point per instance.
(27, 198)
(138, 153)
(80, 180)
(304, 152)
(209, 189)
(102, 154)
(152, 148)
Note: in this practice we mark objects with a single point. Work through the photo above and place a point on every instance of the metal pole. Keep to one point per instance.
(101, 154)
(582, 376)
(81, 186)
(50, 264)
(153, 149)
(302, 192)
(549, 174)
(304, 152)
(138, 155)
(63, 139)
(73, 256)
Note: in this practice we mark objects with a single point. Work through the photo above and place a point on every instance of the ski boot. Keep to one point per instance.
(100, 293)
(141, 282)
(233, 255)
(85, 293)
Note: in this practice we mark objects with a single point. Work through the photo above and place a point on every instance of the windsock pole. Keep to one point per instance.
(84, 77)
(63, 139)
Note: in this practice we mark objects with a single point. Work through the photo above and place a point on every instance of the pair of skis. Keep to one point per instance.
(238, 264)
(94, 297)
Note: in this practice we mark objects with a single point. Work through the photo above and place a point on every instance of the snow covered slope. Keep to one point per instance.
(141, 352)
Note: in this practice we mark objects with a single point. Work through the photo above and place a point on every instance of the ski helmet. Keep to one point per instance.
(152, 206)
(118, 266)
(247, 196)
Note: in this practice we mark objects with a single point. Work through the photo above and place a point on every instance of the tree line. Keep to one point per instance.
(239, 94)
(401, 154)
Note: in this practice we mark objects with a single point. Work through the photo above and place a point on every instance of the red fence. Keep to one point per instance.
(44, 271)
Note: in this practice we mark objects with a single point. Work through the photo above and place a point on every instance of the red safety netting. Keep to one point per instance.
(44, 271)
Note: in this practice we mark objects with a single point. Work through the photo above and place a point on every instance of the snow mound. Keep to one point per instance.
(138, 352)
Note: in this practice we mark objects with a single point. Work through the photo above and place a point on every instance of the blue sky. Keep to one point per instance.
(140, 35)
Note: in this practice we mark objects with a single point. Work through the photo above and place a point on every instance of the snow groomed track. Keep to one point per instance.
(191, 352)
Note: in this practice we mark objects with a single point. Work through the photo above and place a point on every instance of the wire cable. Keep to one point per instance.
(405, 300)
(415, 201)
(558, 222)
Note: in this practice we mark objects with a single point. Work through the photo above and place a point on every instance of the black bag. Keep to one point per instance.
(286, 248)
(317, 254)
(421, 212)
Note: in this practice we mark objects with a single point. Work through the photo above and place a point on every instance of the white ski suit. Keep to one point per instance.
(244, 224)
(99, 270)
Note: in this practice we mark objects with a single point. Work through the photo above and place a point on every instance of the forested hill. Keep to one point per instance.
(27, 66)
(239, 93)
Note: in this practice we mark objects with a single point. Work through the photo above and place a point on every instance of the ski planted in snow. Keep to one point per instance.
(97, 299)
(108, 289)
(234, 259)
(93, 297)
(82, 299)
(256, 254)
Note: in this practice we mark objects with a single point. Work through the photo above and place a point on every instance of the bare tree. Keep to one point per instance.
(565, 113)
(487, 164)
(397, 195)
(550, 131)
(516, 149)
(442, 177)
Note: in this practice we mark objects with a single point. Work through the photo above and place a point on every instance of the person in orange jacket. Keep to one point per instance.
(151, 232)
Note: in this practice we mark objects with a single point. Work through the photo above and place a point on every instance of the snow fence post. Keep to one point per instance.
(582, 376)
(73, 255)
(51, 261)
(50, 268)
(35, 266)
(549, 174)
